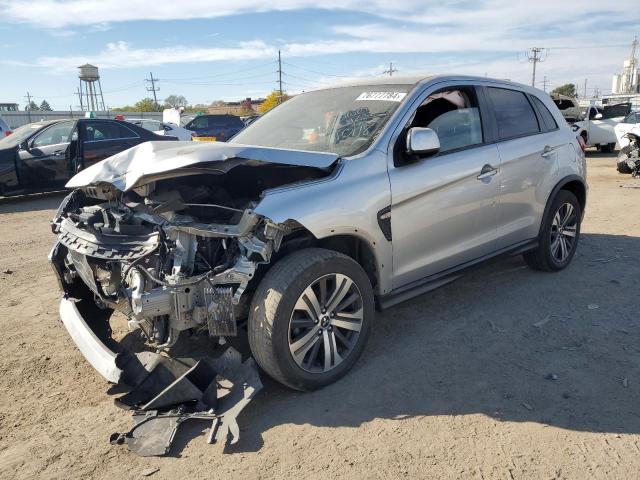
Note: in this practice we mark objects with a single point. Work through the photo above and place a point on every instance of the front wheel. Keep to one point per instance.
(309, 318)
(559, 235)
(623, 159)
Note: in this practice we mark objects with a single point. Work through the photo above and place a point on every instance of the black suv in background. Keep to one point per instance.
(214, 128)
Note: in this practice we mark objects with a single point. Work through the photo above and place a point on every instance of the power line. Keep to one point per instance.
(315, 71)
(391, 70)
(223, 74)
(215, 82)
(280, 76)
(534, 55)
(153, 88)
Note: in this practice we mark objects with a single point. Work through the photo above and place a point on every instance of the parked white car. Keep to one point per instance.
(596, 125)
(630, 123)
(162, 128)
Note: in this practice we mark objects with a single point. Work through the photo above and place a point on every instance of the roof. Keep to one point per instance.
(420, 79)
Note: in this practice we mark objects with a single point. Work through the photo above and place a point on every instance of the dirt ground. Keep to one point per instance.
(454, 384)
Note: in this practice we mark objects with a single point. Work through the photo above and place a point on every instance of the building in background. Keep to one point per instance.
(626, 84)
(628, 81)
(242, 108)
(8, 107)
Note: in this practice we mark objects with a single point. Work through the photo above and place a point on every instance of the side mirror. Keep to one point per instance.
(422, 141)
(24, 145)
(597, 116)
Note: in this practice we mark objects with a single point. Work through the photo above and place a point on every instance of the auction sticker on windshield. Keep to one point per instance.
(382, 96)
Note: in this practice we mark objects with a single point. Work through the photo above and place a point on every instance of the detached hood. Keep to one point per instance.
(157, 160)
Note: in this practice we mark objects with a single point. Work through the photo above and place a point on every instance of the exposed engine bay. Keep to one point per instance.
(172, 255)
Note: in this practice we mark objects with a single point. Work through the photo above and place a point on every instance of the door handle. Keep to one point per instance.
(486, 172)
(58, 153)
(547, 151)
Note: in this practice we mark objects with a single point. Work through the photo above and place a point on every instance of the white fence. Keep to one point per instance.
(17, 119)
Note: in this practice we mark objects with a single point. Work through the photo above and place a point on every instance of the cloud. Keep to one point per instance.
(120, 54)
(501, 14)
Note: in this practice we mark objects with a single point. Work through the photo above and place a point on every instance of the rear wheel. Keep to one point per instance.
(559, 235)
(310, 317)
(606, 147)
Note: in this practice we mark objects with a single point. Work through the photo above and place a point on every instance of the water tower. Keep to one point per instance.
(91, 98)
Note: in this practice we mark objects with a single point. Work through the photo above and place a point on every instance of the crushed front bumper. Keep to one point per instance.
(164, 392)
(101, 357)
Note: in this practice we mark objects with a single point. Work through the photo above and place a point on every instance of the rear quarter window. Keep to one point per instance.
(547, 118)
(514, 114)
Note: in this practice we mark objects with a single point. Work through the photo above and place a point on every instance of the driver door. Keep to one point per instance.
(44, 164)
(444, 209)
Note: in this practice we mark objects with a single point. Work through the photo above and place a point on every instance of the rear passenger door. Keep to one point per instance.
(104, 138)
(529, 141)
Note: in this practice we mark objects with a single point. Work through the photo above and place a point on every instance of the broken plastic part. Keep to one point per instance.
(215, 389)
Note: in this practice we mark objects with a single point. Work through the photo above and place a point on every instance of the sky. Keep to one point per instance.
(210, 50)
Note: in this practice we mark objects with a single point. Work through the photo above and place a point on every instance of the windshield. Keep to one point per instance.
(20, 134)
(344, 121)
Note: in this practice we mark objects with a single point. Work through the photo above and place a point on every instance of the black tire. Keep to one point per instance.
(623, 156)
(606, 147)
(273, 304)
(542, 258)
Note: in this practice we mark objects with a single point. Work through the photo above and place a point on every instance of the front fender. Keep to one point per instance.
(343, 204)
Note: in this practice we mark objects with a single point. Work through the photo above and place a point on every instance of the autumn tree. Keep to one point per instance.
(568, 90)
(273, 100)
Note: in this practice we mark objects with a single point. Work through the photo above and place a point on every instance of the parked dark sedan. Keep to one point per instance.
(43, 156)
(214, 128)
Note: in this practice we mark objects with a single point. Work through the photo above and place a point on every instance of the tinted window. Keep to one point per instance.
(547, 118)
(198, 123)
(54, 135)
(229, 121)
(514, 114)
(108, 131)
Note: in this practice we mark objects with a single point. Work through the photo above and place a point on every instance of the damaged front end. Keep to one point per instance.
(172, 254)
(156, 262)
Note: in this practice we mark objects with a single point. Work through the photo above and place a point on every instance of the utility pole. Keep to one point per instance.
(544, 83)
(391, 70)
(79, 92)
(28, 97)
(153, 88)
(585, 88)
(279, 78)
(534, 55)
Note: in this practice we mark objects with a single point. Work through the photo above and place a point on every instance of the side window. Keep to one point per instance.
(547, 118)
(54, 135)
(151, 125)
(514, 115)
(108, 131)
(200, 123)
(454, 115)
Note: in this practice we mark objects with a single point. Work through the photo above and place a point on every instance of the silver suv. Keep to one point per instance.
(337, 202)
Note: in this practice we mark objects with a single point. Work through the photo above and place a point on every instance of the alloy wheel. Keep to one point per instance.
(563, 232)
(325, 323)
